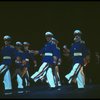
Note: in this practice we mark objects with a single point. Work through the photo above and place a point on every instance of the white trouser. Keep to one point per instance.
(50, 77)
(7, 77)
(19, 82)
(80, 77)
(80, 80)
(37, 75)
(42, 77)
(26, 81)
(44, 69)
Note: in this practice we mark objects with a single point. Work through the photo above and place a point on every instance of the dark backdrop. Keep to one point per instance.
(28, 21)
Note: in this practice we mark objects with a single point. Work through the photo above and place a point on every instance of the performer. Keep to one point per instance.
(19, 56)
(66, 51)
(78, 52)
(66, 63)
(56, 68)
(49, 59)
(7, 53)
(29, 54)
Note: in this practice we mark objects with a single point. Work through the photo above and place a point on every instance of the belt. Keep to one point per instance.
(77, 54)
(26, 59)
(6, 57)
(48, 54)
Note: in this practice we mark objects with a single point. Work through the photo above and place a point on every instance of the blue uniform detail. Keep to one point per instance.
(8, 51)
(58, 54)
(29, 55)
(19, 54)
(81, 48)
(49, 47)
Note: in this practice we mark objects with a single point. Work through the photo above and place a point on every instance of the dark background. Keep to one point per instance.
(28, 21)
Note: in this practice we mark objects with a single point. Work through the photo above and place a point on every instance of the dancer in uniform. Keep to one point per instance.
(7, 53)
(29, 54)
(78, 52)
(56, 68)
(19, 57)
(48, 61)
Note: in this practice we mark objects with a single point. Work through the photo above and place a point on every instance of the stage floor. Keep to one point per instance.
(65, 91)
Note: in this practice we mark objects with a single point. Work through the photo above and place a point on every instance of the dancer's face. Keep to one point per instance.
(48, 38)
(26, 47)
(7, 42)
(77, 38)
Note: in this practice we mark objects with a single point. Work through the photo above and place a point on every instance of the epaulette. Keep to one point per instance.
(21, 51)
(31, 51)
(52, 42)
(12, 46)
(58, 48)
(83, 42)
